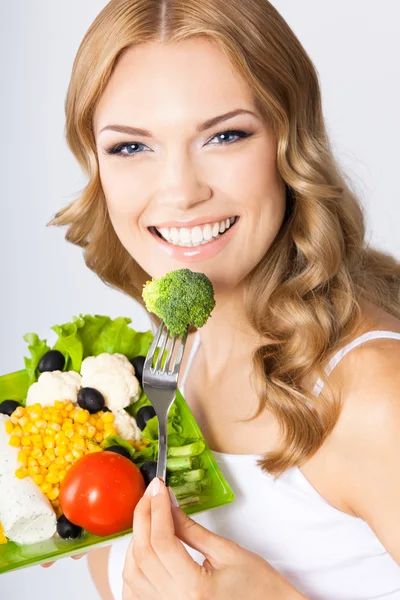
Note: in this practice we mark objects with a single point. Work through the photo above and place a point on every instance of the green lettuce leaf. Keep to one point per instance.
(115, 440)
(37, 348)
(174, 431)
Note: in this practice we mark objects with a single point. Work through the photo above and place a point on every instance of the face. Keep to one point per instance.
(182, 148)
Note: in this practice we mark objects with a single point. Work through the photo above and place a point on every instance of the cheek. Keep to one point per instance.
(121, 191)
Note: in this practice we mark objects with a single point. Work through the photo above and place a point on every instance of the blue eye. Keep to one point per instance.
(126, 149)
(232, 132)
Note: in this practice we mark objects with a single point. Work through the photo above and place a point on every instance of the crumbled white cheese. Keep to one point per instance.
(114, 376)
(54, 385)
(126, 425)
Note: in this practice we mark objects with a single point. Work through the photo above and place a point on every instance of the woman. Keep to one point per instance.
(204, 120)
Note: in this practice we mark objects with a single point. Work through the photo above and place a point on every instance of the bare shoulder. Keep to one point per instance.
(365, 439)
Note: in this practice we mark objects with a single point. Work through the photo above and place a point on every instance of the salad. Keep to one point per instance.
(79, 445)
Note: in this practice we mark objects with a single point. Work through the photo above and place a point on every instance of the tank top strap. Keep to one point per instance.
(365, 337)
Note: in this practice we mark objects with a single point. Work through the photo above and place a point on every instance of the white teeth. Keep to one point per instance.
(184, 235)
(207, 232)
(197, 235)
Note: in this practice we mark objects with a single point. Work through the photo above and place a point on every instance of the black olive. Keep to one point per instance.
(91, 399)
(138, 363)
(53, 360)
(119, 450)
(7, 407)
(67, 530)
(148, 470)
(144, 414)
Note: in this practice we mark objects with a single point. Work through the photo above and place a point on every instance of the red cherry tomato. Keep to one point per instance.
(100, 492)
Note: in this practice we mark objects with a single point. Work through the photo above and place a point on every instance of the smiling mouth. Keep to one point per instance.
(191, 244)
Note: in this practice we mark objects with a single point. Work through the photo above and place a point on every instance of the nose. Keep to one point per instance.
(181, 184)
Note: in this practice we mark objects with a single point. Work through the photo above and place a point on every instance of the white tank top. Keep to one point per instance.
(325, 553)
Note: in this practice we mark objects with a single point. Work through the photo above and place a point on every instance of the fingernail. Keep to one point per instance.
(154, 487)
(174, 501)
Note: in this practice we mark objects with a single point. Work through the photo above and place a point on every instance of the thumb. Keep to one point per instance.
(217, 549)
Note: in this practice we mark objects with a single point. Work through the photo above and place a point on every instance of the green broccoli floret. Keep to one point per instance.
(180, 298)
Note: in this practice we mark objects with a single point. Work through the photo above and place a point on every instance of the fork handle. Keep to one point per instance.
(162, 447)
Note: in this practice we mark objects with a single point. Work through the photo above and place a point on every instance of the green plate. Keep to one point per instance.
(13, 556)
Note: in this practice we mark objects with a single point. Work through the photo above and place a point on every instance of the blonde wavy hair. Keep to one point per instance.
(303, 294)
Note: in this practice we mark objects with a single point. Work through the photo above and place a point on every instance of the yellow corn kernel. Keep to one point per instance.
(19, 412)
(68, 466)
(23, 458)
(69, 433)
(38, 478)
(37, 407)
(59, 404)
(57, 419)
(61, 450)
(69, 458)
(53, 495)
(60, 437)
(69, 406)
(55, 426)
(92, 421)
(82, 416)
(44, 461)
(36, 452)
(60, 461)
(26, 440)
(21, 473)
(51, 478)
(14, 441)
(53, 469)
(80, 430)
(109, 430)
(23, 421)
(35, 415)
(41, 424)
(100, 425)
(93, 448)
(33, 471)
(55, 503)
(91, 431)
(61, 475)
(46, 415)
(17, 430)
(48, 441)
(37, 440)
(77, 453)
(30, 428)
(43, 470)
(49, 452)
(32, 462)
(46, 487)
(98, 437)
(108, 417)
(9, 426)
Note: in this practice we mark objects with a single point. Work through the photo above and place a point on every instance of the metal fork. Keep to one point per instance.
(160, 385)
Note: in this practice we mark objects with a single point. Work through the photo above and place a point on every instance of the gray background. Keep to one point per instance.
(355, 47)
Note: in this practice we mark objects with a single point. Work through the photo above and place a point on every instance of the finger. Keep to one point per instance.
(136, 585)
(173, 555)
(218, 550)
(78, 556)
(46, 565)
(143, 553)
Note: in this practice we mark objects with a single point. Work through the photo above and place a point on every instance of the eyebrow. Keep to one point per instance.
(200, 128)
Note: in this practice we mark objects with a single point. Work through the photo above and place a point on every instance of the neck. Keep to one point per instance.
(227, 335)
